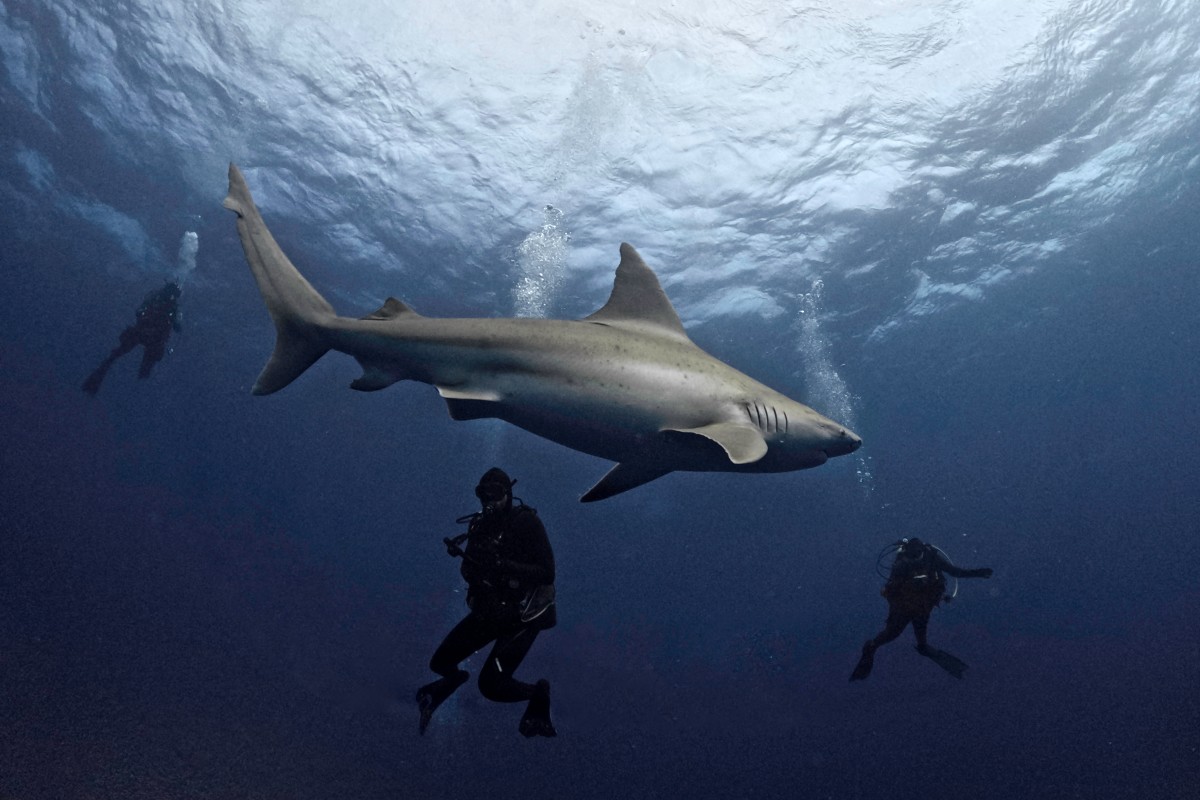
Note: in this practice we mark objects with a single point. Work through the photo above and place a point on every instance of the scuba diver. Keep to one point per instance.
(915, 586)
(509, 568)
(156, 317)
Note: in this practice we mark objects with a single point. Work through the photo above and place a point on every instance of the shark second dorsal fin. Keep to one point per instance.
(638, 301)
(391, 309)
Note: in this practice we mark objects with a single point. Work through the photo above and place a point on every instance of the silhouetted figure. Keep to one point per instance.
(157, 315)
(509, 568)
(914, 588)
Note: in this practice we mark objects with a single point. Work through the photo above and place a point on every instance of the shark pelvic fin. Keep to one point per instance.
(744, 444)
(465, 404)
(623, 477)
(638, 302)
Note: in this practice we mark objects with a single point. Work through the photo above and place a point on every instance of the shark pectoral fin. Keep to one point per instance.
(466, 404)
(623, 477)
(744, 444)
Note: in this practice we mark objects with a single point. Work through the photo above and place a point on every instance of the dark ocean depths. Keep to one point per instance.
(968, 230)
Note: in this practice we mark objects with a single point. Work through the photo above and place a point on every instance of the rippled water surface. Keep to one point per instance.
(967, 230)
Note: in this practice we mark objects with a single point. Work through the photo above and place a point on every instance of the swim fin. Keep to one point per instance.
(536, 720)
(92, 384)
(863, 669)
(952, 664)
(432, 695)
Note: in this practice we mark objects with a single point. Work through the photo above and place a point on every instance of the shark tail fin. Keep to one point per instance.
(292, 356)
(300, 314)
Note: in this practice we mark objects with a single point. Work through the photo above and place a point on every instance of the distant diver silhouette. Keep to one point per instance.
(916, 585)
(157, 316)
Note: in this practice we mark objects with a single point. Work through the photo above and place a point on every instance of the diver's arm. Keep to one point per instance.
(946, 566)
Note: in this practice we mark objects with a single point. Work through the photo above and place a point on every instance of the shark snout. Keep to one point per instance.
(845, 442)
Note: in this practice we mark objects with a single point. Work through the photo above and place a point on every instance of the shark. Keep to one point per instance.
(625, 384)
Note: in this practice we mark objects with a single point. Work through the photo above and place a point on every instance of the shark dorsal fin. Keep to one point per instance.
(638, 301)
(391, 309)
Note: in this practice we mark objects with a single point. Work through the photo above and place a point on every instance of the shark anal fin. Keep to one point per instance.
(744, 444)
(464, 404)
(623, 477)
(375, 377)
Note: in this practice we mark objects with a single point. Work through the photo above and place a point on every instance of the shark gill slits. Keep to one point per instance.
(767, 418)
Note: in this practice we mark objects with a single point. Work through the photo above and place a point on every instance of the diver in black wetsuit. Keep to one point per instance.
(509, 569)
(157, 316)
(914, 588)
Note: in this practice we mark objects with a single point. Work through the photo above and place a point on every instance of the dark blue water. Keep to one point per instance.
(209, 594)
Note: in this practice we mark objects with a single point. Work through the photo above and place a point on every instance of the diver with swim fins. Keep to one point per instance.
(916, 584)
(154, 320)
(508, 565)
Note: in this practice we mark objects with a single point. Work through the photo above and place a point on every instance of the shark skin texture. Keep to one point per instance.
(624, 384)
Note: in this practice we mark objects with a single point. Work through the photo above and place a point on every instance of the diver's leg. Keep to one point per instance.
(127, 342)
(465, 638)
(497, 682)
(920, 629)
(895, 625)
(946, 661)
(131, 337)
(151, 355)
(897, 621)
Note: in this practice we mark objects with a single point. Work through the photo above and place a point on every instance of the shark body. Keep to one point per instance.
(624, 384)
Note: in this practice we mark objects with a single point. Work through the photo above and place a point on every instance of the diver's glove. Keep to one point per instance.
(453, 549)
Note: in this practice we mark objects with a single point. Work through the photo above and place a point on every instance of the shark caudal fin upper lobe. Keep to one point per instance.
(299, 312)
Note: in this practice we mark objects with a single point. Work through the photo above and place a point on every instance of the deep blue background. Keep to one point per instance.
(207, 594)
